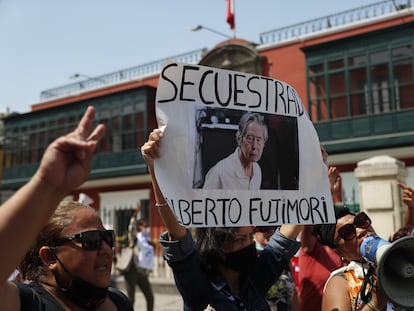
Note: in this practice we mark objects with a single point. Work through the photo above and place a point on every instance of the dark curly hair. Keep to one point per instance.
(210, 245)
(325, 233)
(402, 232)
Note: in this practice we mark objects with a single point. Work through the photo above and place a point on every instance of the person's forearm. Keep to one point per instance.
(409, 217)
(408, 199)
(22, 217)
(175, 230)
(291, 231)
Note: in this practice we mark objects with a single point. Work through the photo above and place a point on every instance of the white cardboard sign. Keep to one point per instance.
(199, 109)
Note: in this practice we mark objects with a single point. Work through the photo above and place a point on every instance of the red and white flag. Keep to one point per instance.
(230, 13)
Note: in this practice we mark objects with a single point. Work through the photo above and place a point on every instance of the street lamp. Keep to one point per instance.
(81, 75)
(199, 27)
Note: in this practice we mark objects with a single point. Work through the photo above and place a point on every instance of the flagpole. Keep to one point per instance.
(234, 14)
(230, 16)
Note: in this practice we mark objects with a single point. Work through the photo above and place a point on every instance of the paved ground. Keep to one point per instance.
(166, 296)
(163, 302)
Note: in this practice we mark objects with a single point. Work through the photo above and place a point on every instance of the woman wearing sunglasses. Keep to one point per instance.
(220, 267)
(67, 252)
(352, 287)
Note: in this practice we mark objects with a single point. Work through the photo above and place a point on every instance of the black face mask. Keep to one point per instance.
(83, 293)
(242, 260)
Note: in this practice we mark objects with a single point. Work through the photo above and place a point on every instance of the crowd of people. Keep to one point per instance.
(331, 267)
(63, 256)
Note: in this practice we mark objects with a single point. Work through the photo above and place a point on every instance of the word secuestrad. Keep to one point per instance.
(228, 89)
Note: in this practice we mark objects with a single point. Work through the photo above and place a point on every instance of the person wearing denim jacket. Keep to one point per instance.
(199, 288)
(220, 266)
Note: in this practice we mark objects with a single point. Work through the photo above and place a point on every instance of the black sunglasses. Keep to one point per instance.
(348, 232)
(90, 240)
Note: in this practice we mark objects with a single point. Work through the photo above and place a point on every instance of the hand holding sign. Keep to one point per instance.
(150, 151)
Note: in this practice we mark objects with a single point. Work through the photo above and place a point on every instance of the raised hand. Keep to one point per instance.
(335, 182)
(151, 149)
(407, 195)
(66, 163)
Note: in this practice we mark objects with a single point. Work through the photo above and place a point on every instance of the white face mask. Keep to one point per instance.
(146, 231)
(259, 246)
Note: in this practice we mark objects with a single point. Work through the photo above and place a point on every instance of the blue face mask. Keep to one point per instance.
(242, 261)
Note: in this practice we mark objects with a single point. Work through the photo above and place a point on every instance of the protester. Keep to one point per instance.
(146, 247)
(408, 199)
(353, 287)
(141, 262)
(282, 295)
(240, 169)
(317, 261)
(402, 232)
(67, 254)
(408, 221)
(220, 266)
(406, 230)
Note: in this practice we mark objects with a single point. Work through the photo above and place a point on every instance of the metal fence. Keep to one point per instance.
(120, 76)
(334, 20)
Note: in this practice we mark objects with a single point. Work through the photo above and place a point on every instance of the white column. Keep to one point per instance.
(380, 197)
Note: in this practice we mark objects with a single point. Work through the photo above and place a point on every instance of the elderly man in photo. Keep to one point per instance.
(240, 169)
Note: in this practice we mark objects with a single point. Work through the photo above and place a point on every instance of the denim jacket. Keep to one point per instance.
(199, 289)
